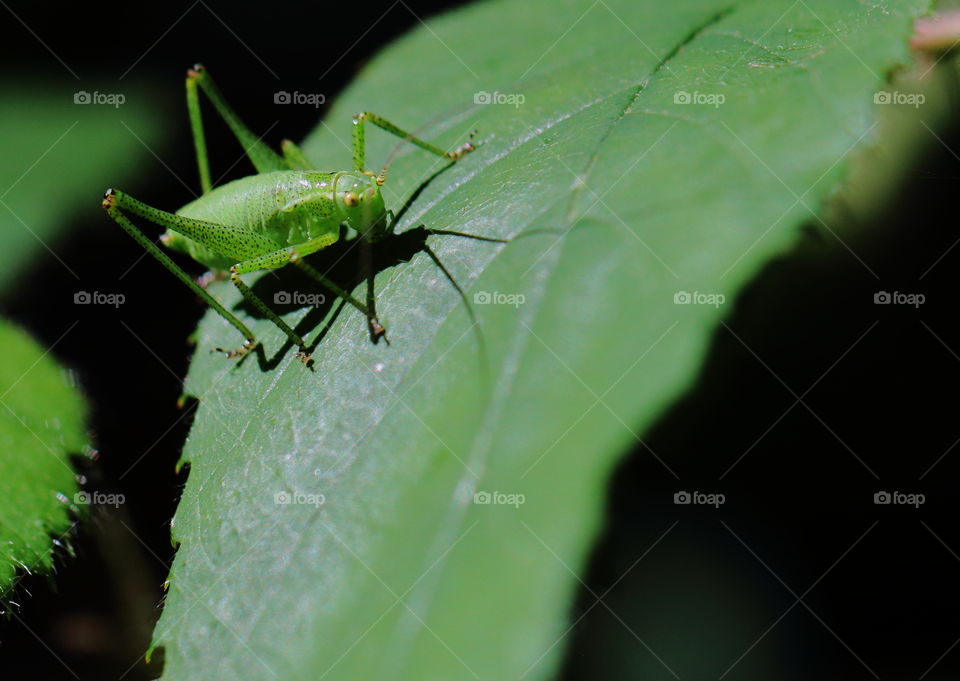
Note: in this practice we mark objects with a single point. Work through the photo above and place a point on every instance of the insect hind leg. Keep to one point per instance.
(264, 158)
(369, 311)
(115, 203)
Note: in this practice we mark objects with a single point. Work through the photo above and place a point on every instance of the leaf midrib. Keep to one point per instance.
(477, 459)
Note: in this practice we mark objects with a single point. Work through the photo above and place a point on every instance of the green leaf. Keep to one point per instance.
(618, 197)
(42, 421)
(59, 155)
(63, 145)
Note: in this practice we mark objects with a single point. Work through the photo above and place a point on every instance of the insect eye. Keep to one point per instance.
(351, 199)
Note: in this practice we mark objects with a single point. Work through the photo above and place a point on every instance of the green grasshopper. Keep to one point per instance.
(285, 212)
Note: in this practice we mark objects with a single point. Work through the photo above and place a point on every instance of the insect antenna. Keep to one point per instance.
(382, 175)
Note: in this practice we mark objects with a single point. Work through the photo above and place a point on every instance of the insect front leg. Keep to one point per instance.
(295, 254)
(376, 329)
(267, 261)
(272, 260)
(115, 203)
(359, 142)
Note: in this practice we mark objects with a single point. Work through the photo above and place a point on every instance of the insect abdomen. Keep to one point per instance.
(288, 206)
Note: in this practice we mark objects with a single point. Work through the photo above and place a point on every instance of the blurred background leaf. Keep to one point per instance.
(63, 145)
(61, 150)
(42, 422)
(622, 186)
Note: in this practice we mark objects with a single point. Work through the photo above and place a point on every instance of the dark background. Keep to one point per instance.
(799, 499)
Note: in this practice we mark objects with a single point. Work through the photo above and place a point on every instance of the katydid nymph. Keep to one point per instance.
(285, 212)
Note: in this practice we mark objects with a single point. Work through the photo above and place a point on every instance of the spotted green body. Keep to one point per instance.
(285, 212)
(281, 208)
